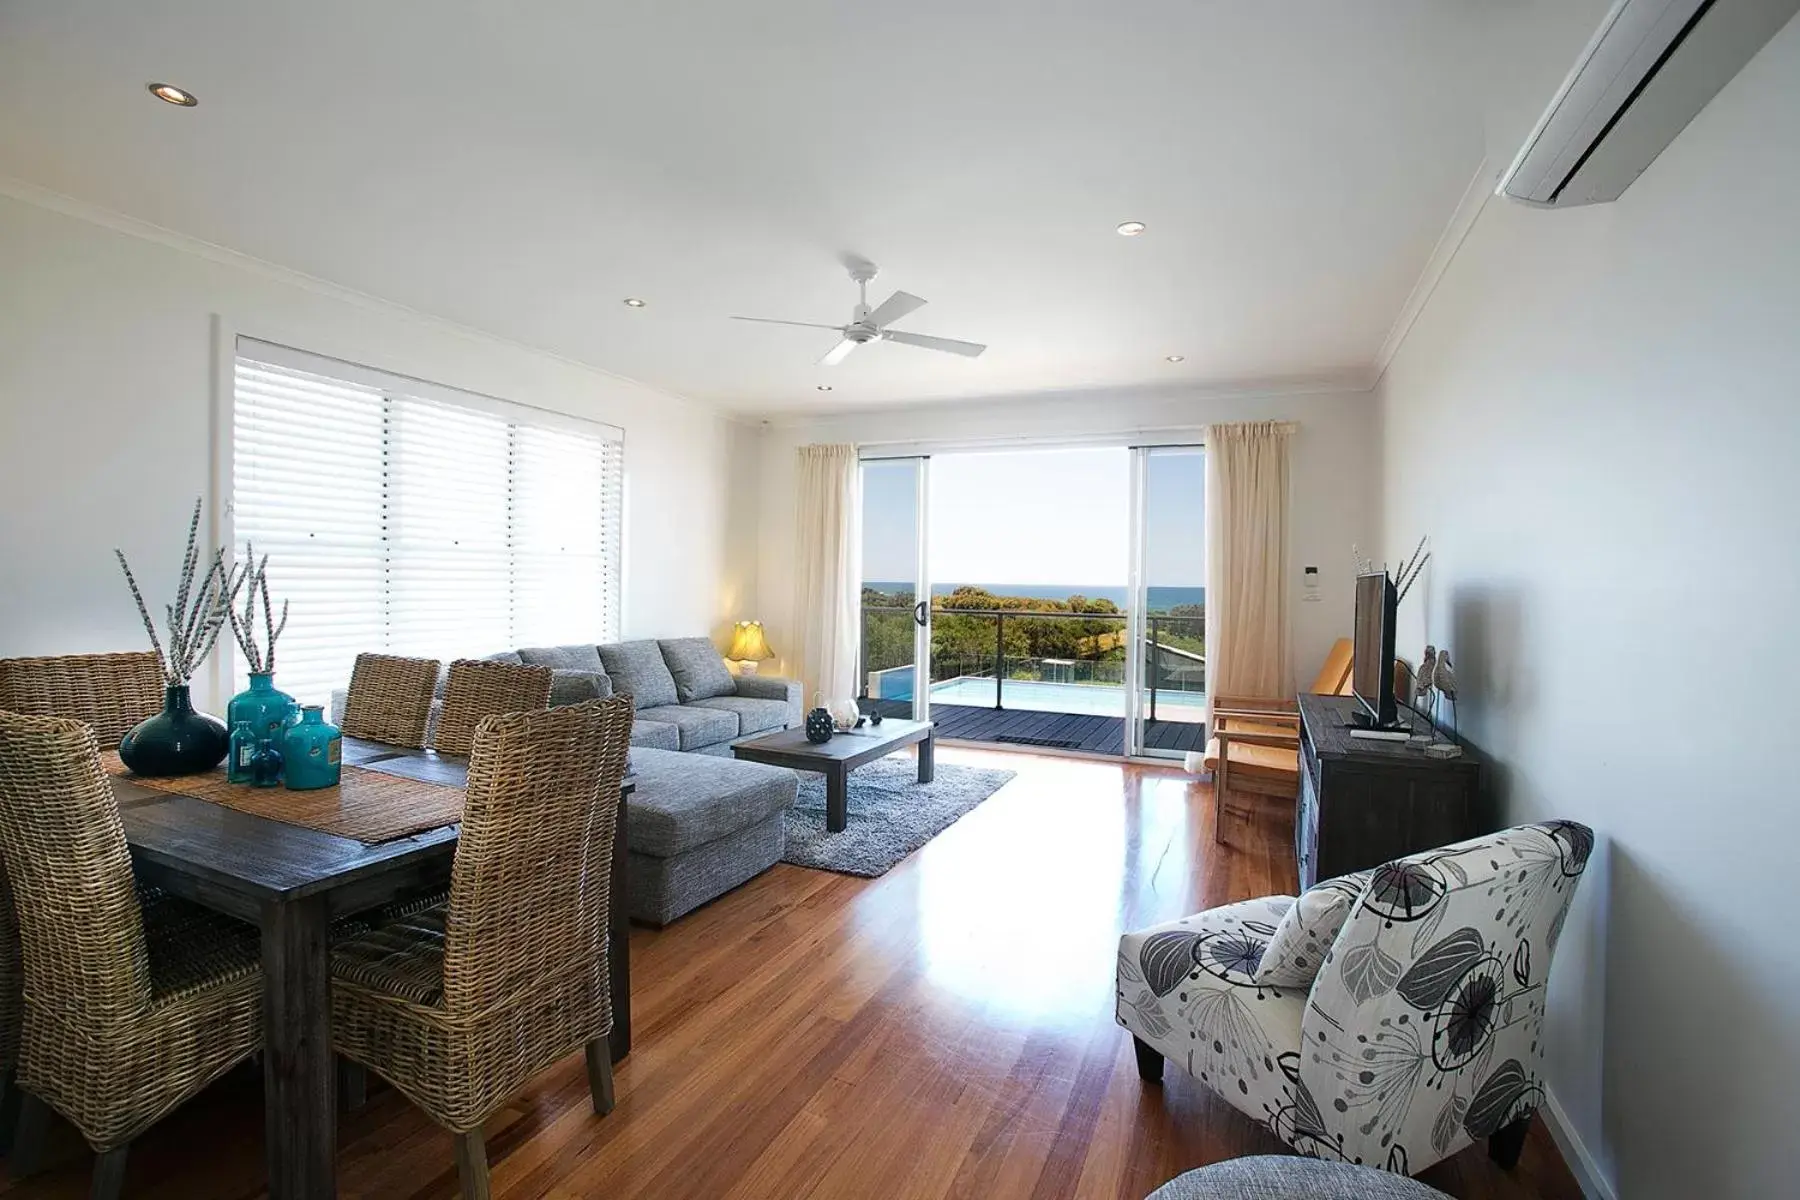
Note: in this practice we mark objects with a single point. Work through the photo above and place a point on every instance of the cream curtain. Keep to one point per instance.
(827, 560)
(1247, 613)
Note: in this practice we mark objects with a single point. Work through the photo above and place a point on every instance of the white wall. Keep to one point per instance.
(1597, 418)
(1333, 473)
(105, 417)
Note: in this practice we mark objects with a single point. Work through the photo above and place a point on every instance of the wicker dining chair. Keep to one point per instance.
(130, 1008)
(390, 699)
(481, 688)
(111, 692)
(460, 1005)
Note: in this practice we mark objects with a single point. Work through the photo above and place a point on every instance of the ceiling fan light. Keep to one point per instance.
(170, 94)
(633, 302)
(1175, 358)
(1131, 228)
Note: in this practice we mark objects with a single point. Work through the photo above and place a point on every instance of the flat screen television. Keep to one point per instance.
(1372, 664)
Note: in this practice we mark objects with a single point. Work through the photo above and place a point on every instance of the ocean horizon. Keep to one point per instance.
(1160, 599)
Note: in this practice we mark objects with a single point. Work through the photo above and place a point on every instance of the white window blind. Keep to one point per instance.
(403, 517)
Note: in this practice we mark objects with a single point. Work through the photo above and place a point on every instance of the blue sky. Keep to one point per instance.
(1037, 516)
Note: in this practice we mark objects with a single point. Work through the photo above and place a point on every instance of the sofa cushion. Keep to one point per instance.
(657, 735)
(572, 687)
(569, 658)
(1306, 933)
(698, 726)
(698, 670)
(754, 716)
(638, 671)
(686, 800)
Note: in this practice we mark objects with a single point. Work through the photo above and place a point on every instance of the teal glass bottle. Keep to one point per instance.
(313, 751)
(265, 768)
(240, 764)
(269, 711)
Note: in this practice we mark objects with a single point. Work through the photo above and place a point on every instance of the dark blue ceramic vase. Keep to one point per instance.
(177, 740)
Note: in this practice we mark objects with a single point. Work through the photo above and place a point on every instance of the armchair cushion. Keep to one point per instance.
(700, 674)
(1189, 989)
(1305, 935)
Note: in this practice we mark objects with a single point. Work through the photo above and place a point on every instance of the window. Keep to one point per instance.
(404, 517)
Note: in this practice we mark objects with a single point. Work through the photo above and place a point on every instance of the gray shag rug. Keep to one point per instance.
(891, 814)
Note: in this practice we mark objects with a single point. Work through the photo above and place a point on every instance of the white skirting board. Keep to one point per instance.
(1594, 1184)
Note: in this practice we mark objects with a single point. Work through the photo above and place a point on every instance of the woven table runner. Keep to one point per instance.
(369, 806)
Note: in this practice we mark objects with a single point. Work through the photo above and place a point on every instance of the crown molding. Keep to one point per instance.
(1468, 210)
(118, 222)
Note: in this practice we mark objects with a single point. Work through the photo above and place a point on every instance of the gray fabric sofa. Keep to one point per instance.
(698, 822)
(685, 697)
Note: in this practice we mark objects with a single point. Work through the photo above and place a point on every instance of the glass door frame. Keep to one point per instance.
(921, 581)
(1138, 605)
(1137, 597)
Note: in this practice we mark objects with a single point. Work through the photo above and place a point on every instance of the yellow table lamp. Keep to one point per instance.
(748, 646)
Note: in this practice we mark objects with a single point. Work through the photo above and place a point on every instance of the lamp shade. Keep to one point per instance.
(748, 643)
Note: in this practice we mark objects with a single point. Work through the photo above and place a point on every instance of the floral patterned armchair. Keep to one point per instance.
(1423, 1030)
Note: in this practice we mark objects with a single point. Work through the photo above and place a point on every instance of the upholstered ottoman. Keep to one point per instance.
(697, 826)
(1278, 1177)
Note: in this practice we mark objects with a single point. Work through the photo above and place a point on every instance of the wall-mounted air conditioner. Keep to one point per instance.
(1651, 68)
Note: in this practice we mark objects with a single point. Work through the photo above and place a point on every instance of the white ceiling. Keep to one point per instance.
(521, 168)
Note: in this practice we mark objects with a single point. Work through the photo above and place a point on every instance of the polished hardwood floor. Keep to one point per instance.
(945, 1030)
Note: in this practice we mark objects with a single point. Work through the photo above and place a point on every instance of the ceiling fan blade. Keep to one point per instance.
(950, 345)
(893, 308)
(802, 324)
(838, 353)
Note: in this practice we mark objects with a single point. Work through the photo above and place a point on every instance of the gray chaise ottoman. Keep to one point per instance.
(697, 826)
(1281, 1177)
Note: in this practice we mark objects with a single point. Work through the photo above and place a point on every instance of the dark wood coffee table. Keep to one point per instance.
(841, 755)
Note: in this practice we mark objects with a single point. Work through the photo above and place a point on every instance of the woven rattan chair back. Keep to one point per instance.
(481, 688)
(531, 886)
(69, 869)
(390, 699)
(111, 692)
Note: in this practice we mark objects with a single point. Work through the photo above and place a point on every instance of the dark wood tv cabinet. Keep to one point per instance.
(1364, 802)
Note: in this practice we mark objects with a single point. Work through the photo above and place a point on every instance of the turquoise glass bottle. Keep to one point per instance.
(240, 764)
(313, 751)
(269, 711)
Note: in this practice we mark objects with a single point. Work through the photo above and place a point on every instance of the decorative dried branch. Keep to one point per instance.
(1417, 569)
(144, 612)
(260, 658)
(196, 617)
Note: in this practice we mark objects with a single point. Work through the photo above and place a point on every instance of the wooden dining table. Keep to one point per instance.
(293, 882)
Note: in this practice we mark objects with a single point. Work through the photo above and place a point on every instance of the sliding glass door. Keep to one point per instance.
(896, 590)
(1167, 684)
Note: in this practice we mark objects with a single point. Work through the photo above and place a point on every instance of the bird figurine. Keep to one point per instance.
(1443, 677)
(1423, 677)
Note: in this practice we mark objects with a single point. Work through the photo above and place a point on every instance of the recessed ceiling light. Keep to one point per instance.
(1177, 358)
(1132, 228)
(824, 387)
(172, 94)
(633, 302)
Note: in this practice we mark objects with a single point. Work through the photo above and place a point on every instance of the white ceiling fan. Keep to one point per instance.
(871, 324)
